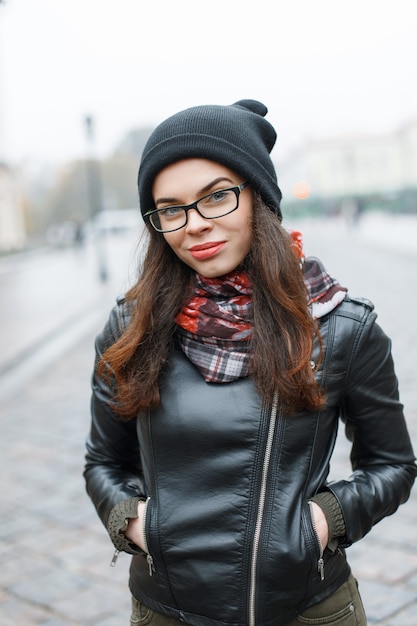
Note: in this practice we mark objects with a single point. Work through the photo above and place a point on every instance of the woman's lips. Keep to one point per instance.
(206, 250)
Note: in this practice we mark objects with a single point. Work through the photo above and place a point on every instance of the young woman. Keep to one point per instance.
(220, 380)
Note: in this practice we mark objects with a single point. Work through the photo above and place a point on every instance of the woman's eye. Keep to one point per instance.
(170, 211)
(218, 196)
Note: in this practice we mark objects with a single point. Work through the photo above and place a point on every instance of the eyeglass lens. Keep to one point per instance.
(214, 205)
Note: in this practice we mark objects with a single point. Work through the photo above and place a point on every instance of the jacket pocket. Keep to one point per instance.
(315, 541)
(144, 537)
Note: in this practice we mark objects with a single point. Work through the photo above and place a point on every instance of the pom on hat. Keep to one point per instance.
(237, 136)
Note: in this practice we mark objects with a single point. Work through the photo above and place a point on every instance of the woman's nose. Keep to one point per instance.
(196, 222)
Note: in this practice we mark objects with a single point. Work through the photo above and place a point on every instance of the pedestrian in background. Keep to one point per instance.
(220, 380)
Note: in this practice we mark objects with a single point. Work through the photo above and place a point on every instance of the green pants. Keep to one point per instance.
(343, 607)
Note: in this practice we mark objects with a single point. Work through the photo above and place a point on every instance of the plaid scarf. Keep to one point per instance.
(215, 326)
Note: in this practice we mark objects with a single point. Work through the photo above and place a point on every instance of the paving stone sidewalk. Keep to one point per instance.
(54, 552)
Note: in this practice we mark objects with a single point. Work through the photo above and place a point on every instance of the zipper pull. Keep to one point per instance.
(150, 564)
(320, 567)
(114, 559)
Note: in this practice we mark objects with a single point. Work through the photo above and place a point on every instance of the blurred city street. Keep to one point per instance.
(55, 554)
(51, 295)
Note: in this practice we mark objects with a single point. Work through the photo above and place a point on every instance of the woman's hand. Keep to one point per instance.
(320, 524)
(135, 528)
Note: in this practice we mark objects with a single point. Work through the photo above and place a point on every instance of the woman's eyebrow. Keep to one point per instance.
(205, 189)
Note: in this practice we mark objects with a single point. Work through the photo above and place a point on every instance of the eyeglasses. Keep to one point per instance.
(216, 204)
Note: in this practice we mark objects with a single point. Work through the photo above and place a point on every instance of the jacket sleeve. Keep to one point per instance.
(113, 472)
(382, 458)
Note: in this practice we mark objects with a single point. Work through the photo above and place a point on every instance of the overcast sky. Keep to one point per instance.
(322, 67)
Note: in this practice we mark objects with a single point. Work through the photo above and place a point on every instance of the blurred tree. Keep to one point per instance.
(67, 198)
(120, 171)
(119, 175)
(65, 195)
(134, 142)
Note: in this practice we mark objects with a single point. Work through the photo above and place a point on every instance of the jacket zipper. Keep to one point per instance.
(320, 562)
(261, 507)
(149, 558)
(115, 557)
(143, 526)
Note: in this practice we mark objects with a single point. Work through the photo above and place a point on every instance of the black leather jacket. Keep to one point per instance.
(228, 524)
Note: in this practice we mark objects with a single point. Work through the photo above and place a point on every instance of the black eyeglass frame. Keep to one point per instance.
(237, 189)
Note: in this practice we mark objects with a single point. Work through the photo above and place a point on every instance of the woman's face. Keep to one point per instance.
(212, 247)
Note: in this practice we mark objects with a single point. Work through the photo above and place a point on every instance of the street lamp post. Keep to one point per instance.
(95, 195)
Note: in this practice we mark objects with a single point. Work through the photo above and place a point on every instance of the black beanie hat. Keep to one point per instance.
(236, 136)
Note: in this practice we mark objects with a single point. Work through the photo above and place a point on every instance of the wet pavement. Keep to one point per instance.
(54, 552)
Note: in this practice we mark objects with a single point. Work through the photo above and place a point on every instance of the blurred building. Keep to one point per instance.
(12, 220)
(360, 167)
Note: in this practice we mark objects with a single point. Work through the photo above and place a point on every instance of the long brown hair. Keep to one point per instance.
(284, 331)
